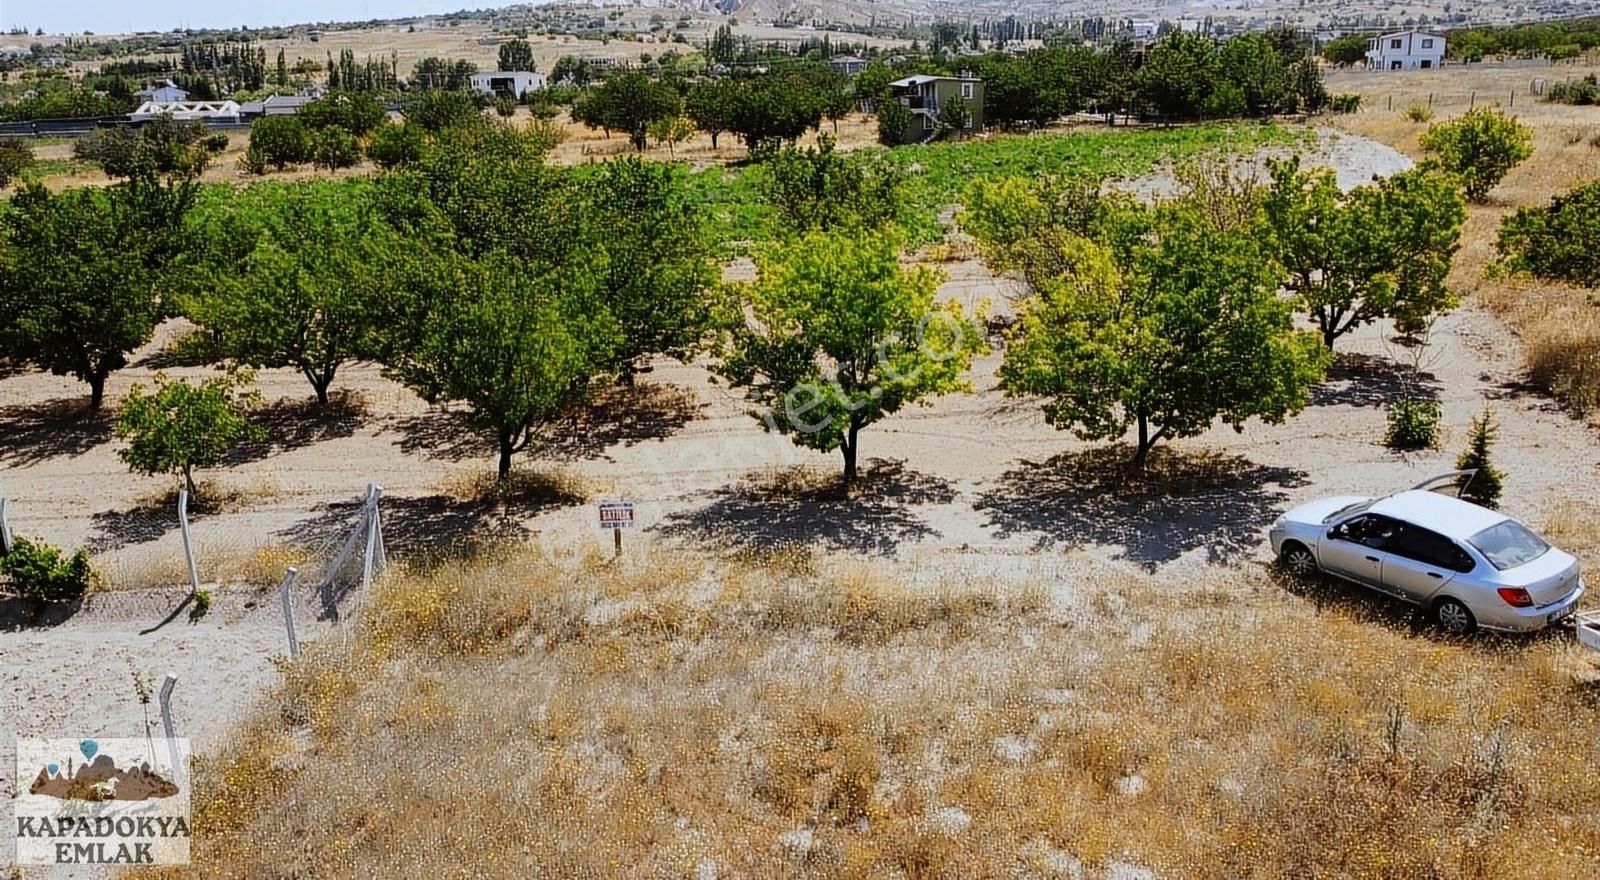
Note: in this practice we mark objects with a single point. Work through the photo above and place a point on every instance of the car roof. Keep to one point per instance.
(1448, 516)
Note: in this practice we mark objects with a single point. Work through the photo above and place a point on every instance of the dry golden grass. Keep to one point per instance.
(1559, 325)
(512, 718)
(522, 487)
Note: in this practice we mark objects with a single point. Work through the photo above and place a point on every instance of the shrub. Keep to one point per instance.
(353, 112)
(1479, 147)
(214, 143)
(1560, 241)
(40, 572)
(396, 145)
(14, 158)
(1582, 92)
(1345, 103)
(506, 107)
(1419, 112)
(1413, 424)
(1484, 487)
(893, 120)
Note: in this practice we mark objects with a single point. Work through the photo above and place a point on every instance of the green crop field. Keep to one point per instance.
(936, 174)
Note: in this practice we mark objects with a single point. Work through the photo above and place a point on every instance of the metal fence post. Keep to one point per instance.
(371, 527)
(5, 526)
(289, 576)
(188, 544)
(167, 684)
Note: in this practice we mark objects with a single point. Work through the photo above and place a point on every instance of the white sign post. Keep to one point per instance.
(616, 516)
(170, 682)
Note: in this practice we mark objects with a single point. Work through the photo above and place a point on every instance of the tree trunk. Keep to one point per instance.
(97, 389)
(320, 383)
(1143, 452)
(713, 140)
(850, 447)
(1328, 336)
(507, 448)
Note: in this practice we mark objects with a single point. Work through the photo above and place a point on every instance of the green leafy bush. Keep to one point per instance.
(43, 573)
(180, 426)
(15, 157)
(1560, 241)
(1484, 487)
(1583, 92)
(1480, 147)
(1413, 424)
(1348, 102)
(278, 142)
(396, 145)
(334, 148)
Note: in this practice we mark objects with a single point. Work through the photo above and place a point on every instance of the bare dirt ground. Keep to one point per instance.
(975, 484)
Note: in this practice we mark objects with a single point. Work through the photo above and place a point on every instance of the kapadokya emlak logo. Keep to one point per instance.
(100, 779)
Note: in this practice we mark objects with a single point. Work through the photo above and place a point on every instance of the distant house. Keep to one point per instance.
(275, 105)
(203, 111)
(1405, 50)
(163, 92)
(928, 95)
(1144, 31)
(509, 83)
(849, 65)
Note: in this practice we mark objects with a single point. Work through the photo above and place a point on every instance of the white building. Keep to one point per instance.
(163, 92)
(221, 111)
(514, 83)
(1144, 30)
(1405, 50)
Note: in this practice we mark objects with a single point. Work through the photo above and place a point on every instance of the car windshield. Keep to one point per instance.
(1347, 509)
(1508, 545)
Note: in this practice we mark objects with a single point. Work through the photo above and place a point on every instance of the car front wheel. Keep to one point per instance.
(1297, 560)
(1453, 617)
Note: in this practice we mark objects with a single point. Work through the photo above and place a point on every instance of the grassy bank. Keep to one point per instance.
(787, 717)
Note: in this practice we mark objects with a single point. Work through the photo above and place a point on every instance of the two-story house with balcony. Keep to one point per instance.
(927, 96)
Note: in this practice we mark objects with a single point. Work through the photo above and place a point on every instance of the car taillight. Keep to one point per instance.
(1516, 597)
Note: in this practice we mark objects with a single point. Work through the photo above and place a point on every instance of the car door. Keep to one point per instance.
(1420, 561)
(1355, 548)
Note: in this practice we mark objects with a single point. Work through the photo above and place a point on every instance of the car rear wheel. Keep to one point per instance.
(1453, 617)
(1297, 560)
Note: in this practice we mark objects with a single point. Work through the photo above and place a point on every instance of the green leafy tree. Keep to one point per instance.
(434, 111)
(835, 334)
(819, 187)
(658, 272)
(710, 106)
(357, 113)
(180, 426)
(954, 116)
(1485, 486)
(292, 276)
(1480, 147)
(1180, 75)
(278, 142)
(629, 103)
(334, 148)
(396, 145)
(1383, 251)
(1184, 330)
(776, 107)
(1305, 81)
(1030, 227)
(81, 274)
(872, 83)
(161, 146)
(15, 157)
(893, 120)
(1253, 66)
(516, 55)
(1346, 51)
(1559, 241)
(519, 348)
(671, 131)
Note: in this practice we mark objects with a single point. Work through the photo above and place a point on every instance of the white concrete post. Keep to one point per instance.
(5, 527)
(188, 544)
(284, 596)
(171, 729)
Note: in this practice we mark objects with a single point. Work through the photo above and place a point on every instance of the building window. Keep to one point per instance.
(966, 91)
(1426, 64)
(1394, 44)
(1427, 44)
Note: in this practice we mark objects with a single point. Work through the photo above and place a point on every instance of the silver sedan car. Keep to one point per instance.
(1467, 565)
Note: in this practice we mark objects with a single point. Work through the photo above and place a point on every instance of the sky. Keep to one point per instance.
(122, 16)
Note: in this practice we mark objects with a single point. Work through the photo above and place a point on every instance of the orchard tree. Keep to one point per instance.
(1181, 76)
(835, 334)
(518, 347)
(294, 274)
(435, 110)
(1480, 147)
(813, 188)
(630, 103)
(182, 426)
(657, 272)
(278, 141)
(396, 145)
(775, 108)
(893, 120)
(1382, 251)
(81, 274)
(1560, 241)
(1250, 62)
(516, 55)
(710, 105)
(15, 157)
(162, 146)
(357, 113)
(1184, 330)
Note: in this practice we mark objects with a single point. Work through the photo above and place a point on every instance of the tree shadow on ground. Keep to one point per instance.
(294, 423)
(19, 614)
(1182, 501)
(1364, 380)
(804, 506)
(624, 414)
(35, 432)
(153, 517)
